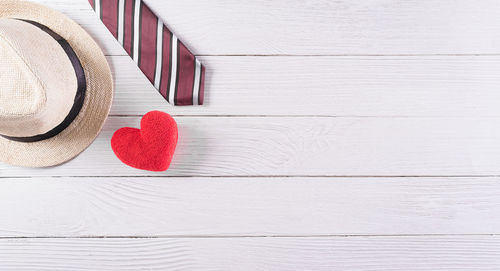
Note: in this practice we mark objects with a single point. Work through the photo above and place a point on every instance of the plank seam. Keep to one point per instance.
(255, 176)
(327, 55)
(245, 236)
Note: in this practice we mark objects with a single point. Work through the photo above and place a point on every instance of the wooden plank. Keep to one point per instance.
(335, 27)
(331, 86)
(320, 27)
(305, 146)
(90, 207)
(317, 253)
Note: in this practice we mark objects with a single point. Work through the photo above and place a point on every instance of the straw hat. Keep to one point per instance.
(55, 86)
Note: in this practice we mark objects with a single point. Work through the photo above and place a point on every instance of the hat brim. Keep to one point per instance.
(98, 98)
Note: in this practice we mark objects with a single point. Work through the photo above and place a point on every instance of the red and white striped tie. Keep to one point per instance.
(167, 63)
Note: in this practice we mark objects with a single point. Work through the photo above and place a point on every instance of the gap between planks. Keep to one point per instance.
(328, 55)
(255, 176)
(245, 236)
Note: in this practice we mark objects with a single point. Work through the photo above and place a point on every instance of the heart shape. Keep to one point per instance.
(149, 148)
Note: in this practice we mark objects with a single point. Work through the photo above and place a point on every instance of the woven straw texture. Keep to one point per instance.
(87, 125)
(47, 70)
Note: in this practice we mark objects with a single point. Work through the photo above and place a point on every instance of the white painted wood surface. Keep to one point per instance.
(293, 253)
(336, 135)
(264, 206)
(319, 27)
(305, 146)
(434, 86)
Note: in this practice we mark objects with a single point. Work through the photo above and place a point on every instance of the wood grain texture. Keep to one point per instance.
(314, 253)
(334, 27)
(297, 92)
(329, 86)
(318, 27)
(90, 207)
(305, 146)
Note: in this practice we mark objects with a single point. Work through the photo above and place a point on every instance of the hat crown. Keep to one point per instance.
(37, 80)
(20, 91)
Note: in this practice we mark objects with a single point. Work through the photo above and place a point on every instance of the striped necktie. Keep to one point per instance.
(167, 63)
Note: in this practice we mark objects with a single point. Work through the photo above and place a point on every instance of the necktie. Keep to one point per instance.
(167, 63)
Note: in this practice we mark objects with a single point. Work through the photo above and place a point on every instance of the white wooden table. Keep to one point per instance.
(336, 135)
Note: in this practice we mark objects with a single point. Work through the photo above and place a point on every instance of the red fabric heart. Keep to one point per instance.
(149, 148)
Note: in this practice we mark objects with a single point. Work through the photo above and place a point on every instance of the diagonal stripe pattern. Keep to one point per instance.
(174, 71)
